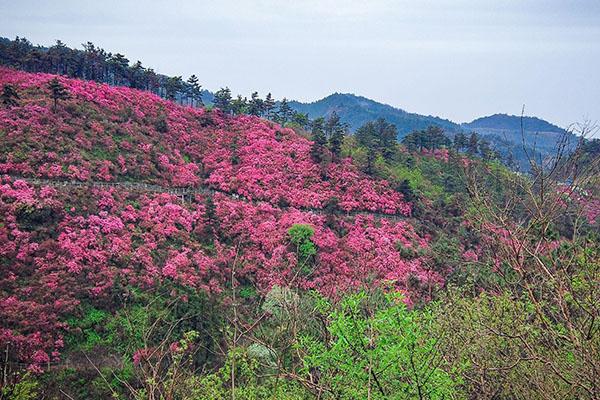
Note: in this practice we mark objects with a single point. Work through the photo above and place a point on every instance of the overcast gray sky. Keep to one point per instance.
(458, 59)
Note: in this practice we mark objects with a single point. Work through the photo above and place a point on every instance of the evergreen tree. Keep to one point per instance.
(379, 137)
(473, 144)
(210, 214)
(335, 130)
(239, 105)
(317, 150)
(485, 150)
(57, 92)
(9, 96)
(460, 141)
(388, 135)
(222, 100)
(405, 188)
(173, 86)
(431, 138)
(435, 138)
(194, 91)
(331, 124)
(284, 113)
(136, 75)
(118, 65)
(301, 119)
(256, 105)
(269, 106)
(336, 140)
(371, 157)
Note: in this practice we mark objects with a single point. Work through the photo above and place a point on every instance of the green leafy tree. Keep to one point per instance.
(376, 352)
(300, 236)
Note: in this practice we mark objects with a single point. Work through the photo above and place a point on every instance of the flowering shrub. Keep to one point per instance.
(108, 133)
(60, 248)
(63, 247)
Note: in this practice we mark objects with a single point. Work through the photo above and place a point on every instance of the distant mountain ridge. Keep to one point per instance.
(357, 110)
(503, 131)
(513, 122)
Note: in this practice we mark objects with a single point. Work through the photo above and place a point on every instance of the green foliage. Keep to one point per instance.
(300, 236)
(26, 388)
(380, 353)
(9, 96)
(240, 378)
(431, 138)
(57, 91)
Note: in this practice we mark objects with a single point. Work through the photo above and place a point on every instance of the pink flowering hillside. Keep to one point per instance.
(104, 133)
(63, 247)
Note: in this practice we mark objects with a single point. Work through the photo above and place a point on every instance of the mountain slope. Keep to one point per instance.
(508, 134)
(512, 123)
(357, 110)
(503, 131)
(65, 248)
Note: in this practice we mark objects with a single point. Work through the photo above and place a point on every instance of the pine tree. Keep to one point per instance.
(256, 105)
(371, 157)
(485, 151)
(9, 96)
(460, 141)
(317, 150)
(173, 86)
(222, 100)
(58, 92)
(335, 131)
(301, 119)
(473, 144)
(331, 124)
(194, 91)
(284, 113)
(387, 134)
(269, 106)
(239, 105)
(136, 75)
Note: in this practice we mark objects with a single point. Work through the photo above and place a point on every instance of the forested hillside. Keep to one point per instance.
(512, 139)
(154, 250)
(357, 110)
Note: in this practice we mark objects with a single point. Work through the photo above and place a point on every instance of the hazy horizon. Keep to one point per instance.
(458, 60)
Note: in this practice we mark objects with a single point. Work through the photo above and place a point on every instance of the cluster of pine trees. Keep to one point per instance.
(279, 112)
(96, 64)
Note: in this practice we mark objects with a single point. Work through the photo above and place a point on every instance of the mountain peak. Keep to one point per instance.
(513, 122)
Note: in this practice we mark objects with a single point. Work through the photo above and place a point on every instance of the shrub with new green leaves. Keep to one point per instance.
(377, 353)
(300, 235)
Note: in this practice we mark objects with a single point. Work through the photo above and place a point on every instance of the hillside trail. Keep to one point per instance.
(188, 194)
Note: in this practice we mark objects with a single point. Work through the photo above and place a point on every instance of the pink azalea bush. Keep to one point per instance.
(59, 248)
(106, 133)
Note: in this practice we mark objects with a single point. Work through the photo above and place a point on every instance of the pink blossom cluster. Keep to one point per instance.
(108, 133)
(59, 248)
